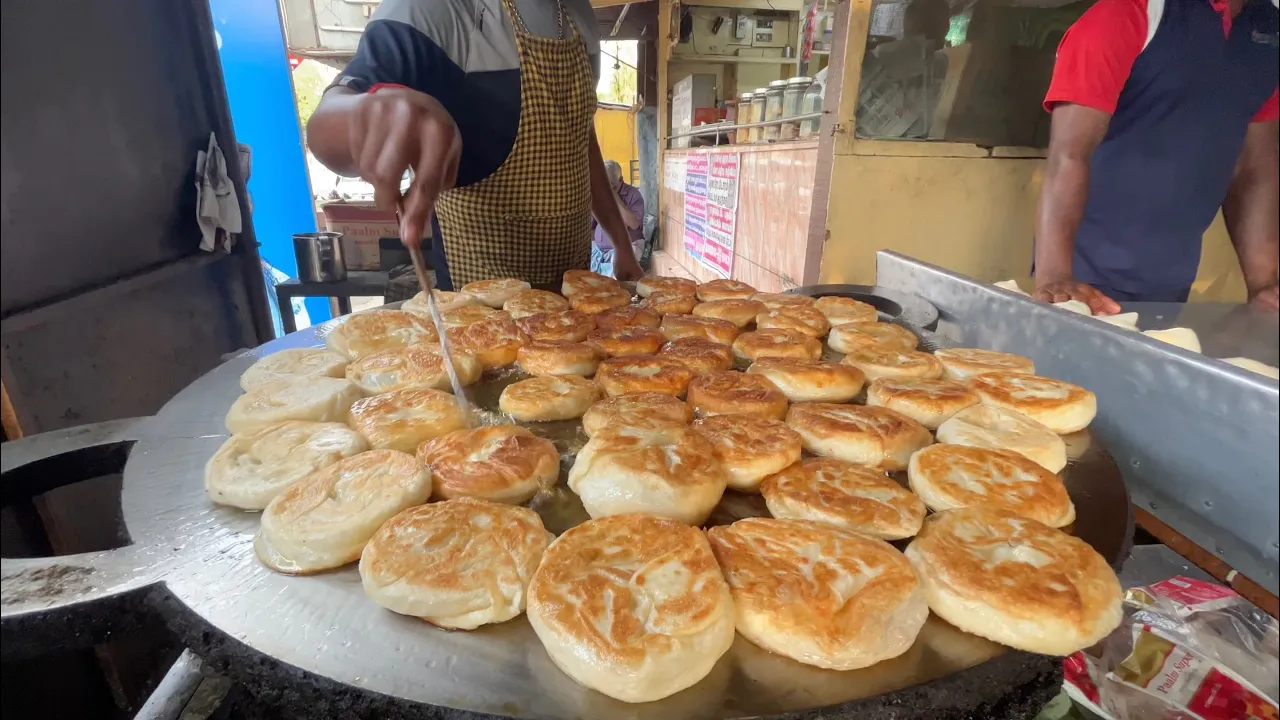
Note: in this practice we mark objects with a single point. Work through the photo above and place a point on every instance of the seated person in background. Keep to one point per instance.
(631, 206)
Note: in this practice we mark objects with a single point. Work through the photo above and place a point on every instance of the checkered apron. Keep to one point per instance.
(531, 219)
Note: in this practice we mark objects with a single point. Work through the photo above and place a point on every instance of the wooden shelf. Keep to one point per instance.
(734, 59)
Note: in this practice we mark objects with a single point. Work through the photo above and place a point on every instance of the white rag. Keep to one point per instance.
(217, 207)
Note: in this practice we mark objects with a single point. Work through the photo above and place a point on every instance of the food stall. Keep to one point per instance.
(923, 105)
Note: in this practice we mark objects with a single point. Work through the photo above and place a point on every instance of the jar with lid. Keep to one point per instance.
(730, 117)
(745, 115)
(792, 99)
(757, 114)
(811, 103)
(773, 109)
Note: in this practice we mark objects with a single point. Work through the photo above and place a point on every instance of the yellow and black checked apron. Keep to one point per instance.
(531, 219)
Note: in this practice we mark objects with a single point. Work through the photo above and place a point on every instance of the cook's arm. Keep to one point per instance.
(605, 208)
(1252, 210)
(1075, 132)
(1089, 73)
(328, 130)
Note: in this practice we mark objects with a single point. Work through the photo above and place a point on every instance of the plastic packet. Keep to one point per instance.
(1188, 650)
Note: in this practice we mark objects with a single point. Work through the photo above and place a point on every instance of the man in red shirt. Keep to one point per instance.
(1164, 112)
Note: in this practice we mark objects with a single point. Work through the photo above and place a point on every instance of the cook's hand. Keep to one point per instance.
(1063, 290)
(398, 128)
(1268, 298)
(626, 268)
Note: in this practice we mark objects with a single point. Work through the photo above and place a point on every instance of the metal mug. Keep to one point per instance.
(319, 256)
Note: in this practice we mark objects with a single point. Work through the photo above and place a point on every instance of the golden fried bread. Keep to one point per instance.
(667, 470)
(412, 368)
(777, 342)
(566, 325)
(558, 357)
(324, 520)
(499, 463)
(531, 302)
(651, 284)
(805, 320)
(628, 315)
(849, 496)
(1060, 406)
(675, 327)
(496, 292)
(248, 471)
(738, 311)
(750, 448)
(580, 281)
(848, 337)
(294, 364)
(775, 301)
(321, 399)
(887, 362)
(1016, 581)
(963, 363)
(457, 564)
(632, 606)
(928, 402)
(446, 300)
(841, 310)
(810, 380)
(643, 373)
(366, 333)
(724, 290)
(670, 303)
(875, 437)
(987, 426)
(955, 476)
(626, 340)
(494, 341)
(701, 356)
(644, 409)
(592, 302)
(550, 397)
(465, 315)
(818, 594)
(730, 392)
(404, 419)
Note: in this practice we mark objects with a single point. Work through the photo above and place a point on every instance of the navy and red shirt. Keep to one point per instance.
(1182, 80)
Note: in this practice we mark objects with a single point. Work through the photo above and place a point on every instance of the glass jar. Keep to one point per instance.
(757, 114)
(745, 115)
(792, 100)
(773, 109)
(730, 117)
(811, 103)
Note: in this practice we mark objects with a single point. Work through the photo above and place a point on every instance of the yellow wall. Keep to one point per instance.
(972, 215)
(616, 130)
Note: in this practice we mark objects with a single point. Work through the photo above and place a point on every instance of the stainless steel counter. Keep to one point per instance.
(1196, 438)
(1225, 329)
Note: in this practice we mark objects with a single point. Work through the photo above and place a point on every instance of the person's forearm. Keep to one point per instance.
(328, 130)
(1062, 199)
(629, 218)
(604, 203)
(1252, 214)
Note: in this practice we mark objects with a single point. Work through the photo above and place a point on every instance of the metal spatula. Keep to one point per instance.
(428, 286)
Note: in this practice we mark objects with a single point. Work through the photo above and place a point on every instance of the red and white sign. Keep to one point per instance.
(711, 209)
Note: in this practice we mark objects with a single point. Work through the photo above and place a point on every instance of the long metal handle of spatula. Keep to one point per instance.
(428, 288)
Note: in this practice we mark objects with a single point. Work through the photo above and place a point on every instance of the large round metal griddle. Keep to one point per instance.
(321, 639)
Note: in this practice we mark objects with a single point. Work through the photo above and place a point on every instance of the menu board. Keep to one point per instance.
(711, 209)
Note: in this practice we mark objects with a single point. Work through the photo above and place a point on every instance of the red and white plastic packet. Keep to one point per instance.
(1189, 650)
